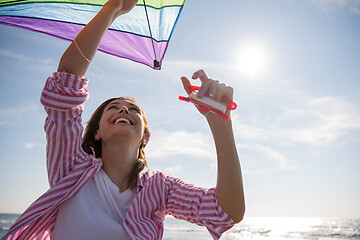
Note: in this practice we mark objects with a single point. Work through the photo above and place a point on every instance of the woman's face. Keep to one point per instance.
(121, 119)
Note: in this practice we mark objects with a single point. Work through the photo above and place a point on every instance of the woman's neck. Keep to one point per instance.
(118, 161)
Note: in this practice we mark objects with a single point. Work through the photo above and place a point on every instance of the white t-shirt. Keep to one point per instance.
(97, 211)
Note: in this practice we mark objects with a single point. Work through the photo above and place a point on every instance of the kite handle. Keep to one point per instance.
(207, 104)
(231, 105)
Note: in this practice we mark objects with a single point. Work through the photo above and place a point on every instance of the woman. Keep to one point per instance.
(98, 189)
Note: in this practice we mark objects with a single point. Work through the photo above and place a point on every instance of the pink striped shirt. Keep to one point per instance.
(69, 168)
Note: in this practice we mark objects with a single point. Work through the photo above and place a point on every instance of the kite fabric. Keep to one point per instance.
(128, 37)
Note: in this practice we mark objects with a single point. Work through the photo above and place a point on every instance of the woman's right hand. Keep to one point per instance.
(122, 6)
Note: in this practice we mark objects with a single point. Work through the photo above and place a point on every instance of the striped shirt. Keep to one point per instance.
(69, 168)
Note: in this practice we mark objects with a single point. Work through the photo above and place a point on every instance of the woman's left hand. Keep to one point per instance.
(210, 88)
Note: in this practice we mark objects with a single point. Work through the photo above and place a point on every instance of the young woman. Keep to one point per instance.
(98, 187)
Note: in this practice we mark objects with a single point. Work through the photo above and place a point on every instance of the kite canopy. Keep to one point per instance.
(128, 37)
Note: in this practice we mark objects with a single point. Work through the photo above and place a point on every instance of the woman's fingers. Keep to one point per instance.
(122, 6)
(224, 91)
(128, 5)
(205, 83)
(219, 91)
(213, 88)
(187, 86)
(229, 92)
(186, 83)
(200, 74)
(209, 87)
(204, 88)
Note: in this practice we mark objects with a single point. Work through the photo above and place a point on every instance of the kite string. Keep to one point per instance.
(156, 62)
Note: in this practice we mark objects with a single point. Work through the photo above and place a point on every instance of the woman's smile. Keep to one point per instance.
(122, 121)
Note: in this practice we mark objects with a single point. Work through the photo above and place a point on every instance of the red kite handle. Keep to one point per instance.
(230, 105)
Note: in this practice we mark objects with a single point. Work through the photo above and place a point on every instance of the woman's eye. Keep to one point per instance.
(135, 109)
(112, 107)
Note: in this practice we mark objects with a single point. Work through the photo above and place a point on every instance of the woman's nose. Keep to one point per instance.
(124, 109)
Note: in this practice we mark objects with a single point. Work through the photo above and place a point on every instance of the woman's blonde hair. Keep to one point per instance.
(88, 140)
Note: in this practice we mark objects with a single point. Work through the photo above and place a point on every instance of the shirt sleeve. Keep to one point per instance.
(197, 205)
(63, 97)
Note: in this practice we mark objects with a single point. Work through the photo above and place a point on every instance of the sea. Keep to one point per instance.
(257, 228)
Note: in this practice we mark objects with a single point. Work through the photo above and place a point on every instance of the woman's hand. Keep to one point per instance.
(229, 187)
(210, 88)
(121, 6)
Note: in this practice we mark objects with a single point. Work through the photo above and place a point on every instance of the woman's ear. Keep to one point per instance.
(145, 138)
(97, 135)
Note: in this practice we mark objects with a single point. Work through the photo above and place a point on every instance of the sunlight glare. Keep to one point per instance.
(252, 60)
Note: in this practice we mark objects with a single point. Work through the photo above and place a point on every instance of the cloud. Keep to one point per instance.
(174, 169)
(264, 154)
(181, 142)
(8, 116)
(316, 122)
(42, 65)
(328, 5)
(249, 131)
(281, 161)
(31, 145)
(323, 120)
(16, 56)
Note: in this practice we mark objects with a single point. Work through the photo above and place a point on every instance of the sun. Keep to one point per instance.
(252, 60)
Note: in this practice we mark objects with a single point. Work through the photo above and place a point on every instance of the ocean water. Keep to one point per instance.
(253, 228)
(267, 228)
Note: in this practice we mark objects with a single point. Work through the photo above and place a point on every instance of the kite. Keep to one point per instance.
(142, 35)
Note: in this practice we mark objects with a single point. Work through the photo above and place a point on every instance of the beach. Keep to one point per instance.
(257, 228)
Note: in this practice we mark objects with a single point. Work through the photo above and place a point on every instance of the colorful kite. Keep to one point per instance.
(141, 35)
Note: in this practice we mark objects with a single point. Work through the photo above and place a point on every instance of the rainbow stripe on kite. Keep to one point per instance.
(128, 37)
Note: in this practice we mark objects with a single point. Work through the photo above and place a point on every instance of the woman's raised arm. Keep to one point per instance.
(229, 188)
(88, 40)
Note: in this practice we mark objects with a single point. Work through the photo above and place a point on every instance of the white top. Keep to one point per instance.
(97, 211)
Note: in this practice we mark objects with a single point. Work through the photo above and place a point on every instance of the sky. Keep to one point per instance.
(295, 69)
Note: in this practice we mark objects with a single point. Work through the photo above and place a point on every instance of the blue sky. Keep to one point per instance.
(298, 117)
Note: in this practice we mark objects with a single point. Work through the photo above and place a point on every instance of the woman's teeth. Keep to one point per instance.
(122, 120)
